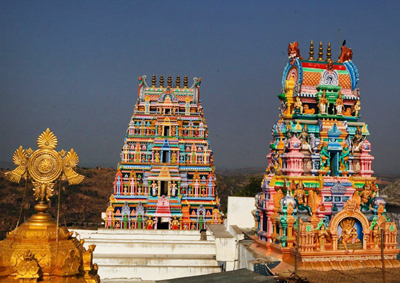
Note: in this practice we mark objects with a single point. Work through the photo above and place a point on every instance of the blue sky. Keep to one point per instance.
(73, 66)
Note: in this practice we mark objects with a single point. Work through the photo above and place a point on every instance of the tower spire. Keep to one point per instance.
(329, 53)
(320, 53)
(185, 81)
(169, 81)
(153, 81)
(311, 58)
(178, 82)
(161, 81)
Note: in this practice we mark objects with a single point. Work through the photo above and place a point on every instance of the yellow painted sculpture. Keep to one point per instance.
(39, 250)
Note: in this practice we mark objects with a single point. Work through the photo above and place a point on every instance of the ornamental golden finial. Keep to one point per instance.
(320, 53)
(39, 247)
(185, 81)
(161, 81)
(178, 82)
(329, 53)
(311, 58)
(153, 81)
(44, 166)
(169, 81)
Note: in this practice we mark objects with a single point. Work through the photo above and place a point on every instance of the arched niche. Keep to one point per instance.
(347, 213)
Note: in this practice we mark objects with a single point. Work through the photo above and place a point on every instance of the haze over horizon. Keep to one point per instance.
(73, 67)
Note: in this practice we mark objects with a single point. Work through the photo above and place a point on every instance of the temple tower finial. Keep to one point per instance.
(153, 81)
(185, 81)
(161, 81)
(311, 58)
(320, 53)
(329, 53)
(178, 82)
(169, 81)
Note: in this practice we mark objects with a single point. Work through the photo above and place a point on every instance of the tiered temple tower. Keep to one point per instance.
(166, 178)
(318, 192)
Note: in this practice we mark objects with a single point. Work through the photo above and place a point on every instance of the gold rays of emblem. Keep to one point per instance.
(47, 140)
(45, 165)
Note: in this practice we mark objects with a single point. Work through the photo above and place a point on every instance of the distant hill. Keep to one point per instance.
(85, 202)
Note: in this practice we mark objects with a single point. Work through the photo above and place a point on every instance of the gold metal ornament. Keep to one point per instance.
(39, 250)
(45, 165)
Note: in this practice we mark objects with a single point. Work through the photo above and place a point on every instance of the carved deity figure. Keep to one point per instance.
(307, 110)
(298, 106)
(277, 200)
(344, 158)
(149, 223)
(305, 139)
(294, 51)
(322, 235)
(357, 139)
(154, 189)
(159, 131)
(275, 166)
(325, 157)
(282, 108)
(346, 53)
(366, 195)
(313, 201)
(376, 236)
(157, 157)
(300, 194)
(173, 157)
(347, 112)
(175, 224)
(354, 236)
(301, 197)
(173, 131)
(173, 189)
(322, 104)
(339, 105)
(349, 233)
(356, 108)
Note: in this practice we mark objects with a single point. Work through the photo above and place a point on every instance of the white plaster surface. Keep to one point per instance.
(129, 255)
(239, 211)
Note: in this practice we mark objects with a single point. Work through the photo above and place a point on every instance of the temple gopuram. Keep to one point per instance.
(165, 179)
(319, 201)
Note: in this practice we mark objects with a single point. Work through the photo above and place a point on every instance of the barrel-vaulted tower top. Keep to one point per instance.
(312, 73)
(174, 93)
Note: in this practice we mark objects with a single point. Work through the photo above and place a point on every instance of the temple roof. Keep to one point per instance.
(171, 93)
(309, 74)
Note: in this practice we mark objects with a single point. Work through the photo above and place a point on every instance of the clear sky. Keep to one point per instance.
(73, 66)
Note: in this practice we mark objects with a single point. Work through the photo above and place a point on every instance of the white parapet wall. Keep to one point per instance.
(151, 254)
(239, 211)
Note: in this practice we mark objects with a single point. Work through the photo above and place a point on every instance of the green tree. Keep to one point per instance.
(252, 188)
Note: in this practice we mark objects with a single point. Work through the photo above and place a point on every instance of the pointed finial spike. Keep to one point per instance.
(178, 82)
(185, 81)
(320, 53)
(311, 58)
(153, 81)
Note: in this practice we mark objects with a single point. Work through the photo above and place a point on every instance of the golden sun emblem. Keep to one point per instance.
(45, 165)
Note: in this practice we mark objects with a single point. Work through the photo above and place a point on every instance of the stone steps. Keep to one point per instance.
(124, 246)
(156, 260)
(151, 254)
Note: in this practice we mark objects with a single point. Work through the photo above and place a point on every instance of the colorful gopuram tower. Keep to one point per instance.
(318, 193)
(166, 178)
